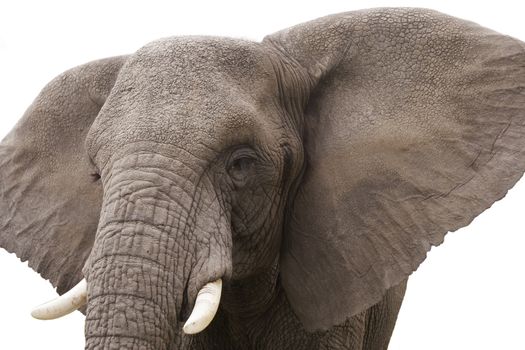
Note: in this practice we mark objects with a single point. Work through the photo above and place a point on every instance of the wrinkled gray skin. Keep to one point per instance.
(311, 172)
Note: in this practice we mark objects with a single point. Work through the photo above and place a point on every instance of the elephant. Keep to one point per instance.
(218, 193)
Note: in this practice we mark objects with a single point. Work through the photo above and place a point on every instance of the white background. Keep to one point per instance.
(468, 294)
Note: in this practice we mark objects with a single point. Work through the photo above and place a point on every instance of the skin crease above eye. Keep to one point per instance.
(309, 174)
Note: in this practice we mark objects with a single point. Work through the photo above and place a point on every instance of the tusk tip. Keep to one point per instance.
(42, 312)
(64, 304)
(191, 328)
(205, 308)
(38, 314)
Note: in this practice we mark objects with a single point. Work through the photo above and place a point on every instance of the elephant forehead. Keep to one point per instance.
(199, 118)
(198, 63)
(189, 91)
(184, 123)
(197, 77)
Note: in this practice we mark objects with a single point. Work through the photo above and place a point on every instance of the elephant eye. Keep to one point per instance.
(241, 167)
(95, 177)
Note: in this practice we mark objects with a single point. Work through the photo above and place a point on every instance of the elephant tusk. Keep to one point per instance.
(205, 308)
(75, 298)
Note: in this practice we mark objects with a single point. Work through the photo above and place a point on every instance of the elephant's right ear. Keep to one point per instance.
(49, 198)
(415, 124)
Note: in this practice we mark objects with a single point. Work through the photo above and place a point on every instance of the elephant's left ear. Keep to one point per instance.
(415, 124)
(49, 199)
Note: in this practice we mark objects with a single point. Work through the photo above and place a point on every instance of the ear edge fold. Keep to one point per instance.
(488, 47)
(49, 205)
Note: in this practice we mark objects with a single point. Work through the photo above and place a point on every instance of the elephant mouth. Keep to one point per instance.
(204, 310)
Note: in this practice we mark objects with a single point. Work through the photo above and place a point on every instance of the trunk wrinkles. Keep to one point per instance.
(152, 254)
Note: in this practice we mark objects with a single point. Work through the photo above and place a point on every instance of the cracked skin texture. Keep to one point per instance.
(311, 171)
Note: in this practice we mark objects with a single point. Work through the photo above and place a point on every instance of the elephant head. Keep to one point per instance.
(333, 154)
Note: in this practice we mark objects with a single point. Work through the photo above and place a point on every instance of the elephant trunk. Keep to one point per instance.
(155, 248)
